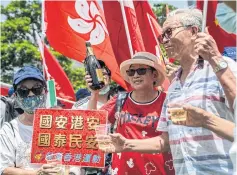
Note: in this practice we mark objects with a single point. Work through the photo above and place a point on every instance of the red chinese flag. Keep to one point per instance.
(69, 24)
(63, 85)
(222, 38)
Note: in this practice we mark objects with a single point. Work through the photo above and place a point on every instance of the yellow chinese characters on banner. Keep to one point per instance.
(69, 132)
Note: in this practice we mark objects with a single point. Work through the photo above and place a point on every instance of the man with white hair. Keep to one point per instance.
(199, 82)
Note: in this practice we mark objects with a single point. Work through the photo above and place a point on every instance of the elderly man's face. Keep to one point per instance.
(177, 38)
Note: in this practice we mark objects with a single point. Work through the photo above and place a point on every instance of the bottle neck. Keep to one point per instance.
(89, 51)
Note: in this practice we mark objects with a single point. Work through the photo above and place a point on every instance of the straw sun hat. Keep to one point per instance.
(145, 58)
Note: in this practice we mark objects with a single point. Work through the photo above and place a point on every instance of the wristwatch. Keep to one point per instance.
(222, 64)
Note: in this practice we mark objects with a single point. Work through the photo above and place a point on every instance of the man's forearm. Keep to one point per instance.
(92, 104)
(18, 171)
(228, 82)
(152, 145)
(220, 126)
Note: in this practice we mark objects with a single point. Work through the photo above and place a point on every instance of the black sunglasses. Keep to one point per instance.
(167, 34)
(24, 92)
(140, 71)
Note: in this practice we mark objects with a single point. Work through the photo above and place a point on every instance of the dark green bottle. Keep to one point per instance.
(93, 68)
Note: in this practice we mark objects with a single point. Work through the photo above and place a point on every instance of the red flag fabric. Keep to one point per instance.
(63, 85)
(222, 38)
(150, 30)
(69, 24)
(143, 28)
(4, 89)
(142, 25)
(116, 28)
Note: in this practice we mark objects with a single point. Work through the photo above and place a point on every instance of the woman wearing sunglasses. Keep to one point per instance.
(16, 136)
(140, 115)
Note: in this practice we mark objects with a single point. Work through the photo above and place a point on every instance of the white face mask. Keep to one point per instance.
(105, 90)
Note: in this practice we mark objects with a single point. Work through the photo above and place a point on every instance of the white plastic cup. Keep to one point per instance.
(178, 114)
(102, 131)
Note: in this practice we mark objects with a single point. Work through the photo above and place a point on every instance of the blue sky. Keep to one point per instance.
(176, 3)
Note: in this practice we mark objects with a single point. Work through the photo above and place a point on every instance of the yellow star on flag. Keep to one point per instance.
(216, 22)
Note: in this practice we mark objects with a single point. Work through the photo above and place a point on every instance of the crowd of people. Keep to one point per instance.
(145, 139)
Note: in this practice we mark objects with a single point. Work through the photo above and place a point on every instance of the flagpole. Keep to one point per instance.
(41, 47)
(45, 68)
(204, 17)
(126, 28)
(51, 95)
(69, 101)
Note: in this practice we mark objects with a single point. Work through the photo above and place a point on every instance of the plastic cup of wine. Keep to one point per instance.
(102, 131)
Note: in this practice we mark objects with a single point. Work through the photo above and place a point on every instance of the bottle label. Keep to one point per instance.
(99, 74)
(89, 51)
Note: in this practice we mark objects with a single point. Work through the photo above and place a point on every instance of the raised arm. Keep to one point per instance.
(207, 48)
(227, 80)
(92, 104)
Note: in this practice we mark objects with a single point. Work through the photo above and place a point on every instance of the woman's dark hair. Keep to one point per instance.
(115, 90)
(103, 65)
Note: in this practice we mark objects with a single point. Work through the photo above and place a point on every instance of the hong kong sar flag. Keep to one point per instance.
(69, 24)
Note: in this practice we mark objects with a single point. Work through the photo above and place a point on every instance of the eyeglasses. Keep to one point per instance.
(167, 34)
(24, 92)
(140, 71)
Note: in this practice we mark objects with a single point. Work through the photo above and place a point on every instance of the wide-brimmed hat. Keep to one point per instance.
(145, 58)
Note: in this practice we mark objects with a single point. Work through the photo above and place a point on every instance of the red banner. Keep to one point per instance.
(69, 132)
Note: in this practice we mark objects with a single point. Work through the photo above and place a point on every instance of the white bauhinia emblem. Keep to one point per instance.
(90, 21)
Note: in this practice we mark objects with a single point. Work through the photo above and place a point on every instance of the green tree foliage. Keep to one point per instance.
(160, 12)
(18, 42)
